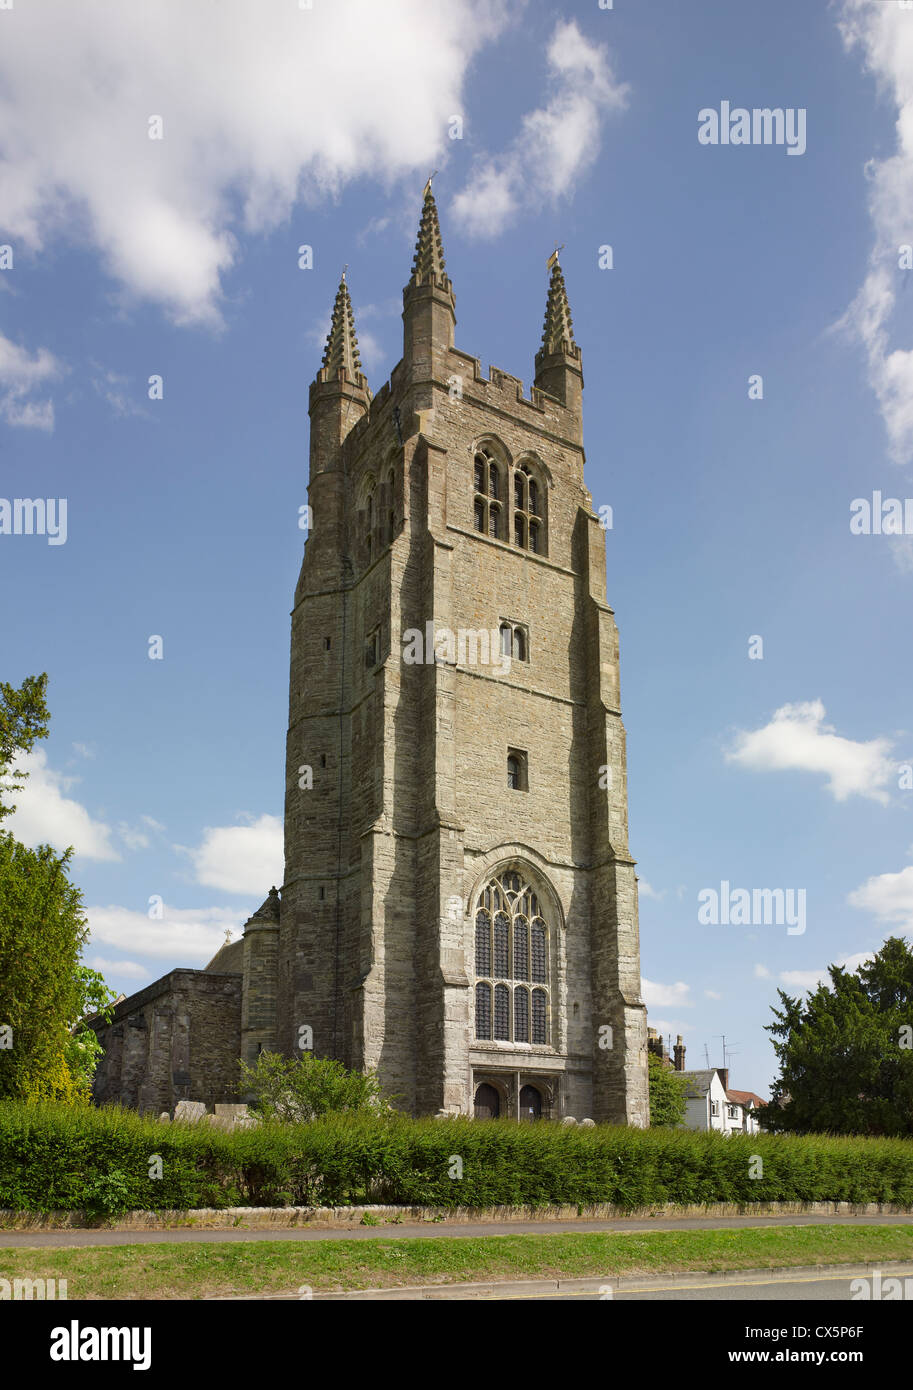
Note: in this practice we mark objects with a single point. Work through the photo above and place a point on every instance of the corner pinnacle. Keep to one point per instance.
(558, 330)
(341, 352)
(428, 264)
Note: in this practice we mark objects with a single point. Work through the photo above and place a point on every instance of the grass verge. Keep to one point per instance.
(265, 1266)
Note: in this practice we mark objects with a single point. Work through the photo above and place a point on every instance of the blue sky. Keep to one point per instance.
(179, 257)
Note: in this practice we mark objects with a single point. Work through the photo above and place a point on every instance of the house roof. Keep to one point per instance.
(699, 1082)
(745, 1098)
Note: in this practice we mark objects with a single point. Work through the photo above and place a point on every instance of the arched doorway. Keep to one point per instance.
(530, 1103)
(487, 1103)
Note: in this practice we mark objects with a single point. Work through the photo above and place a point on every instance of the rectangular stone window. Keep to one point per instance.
(517, 770)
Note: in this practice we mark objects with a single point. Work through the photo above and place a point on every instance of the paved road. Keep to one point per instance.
(431, 1230)
(831, 1284)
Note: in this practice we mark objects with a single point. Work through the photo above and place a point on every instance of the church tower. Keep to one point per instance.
(459, 909)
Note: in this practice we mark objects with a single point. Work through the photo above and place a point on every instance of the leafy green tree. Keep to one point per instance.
(297, 1089)
(846, 1051)
(24, 718)
(46, 1051)
(667, 1093)
(42, 929)
(84, 1050)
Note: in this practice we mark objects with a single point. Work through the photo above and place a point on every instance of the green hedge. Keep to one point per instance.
(98, 1160)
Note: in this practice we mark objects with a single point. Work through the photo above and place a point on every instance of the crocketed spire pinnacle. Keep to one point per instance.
(342, 344)
(428, 264)
(558, 331)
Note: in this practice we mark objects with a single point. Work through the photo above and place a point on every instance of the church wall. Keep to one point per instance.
(178, 1039)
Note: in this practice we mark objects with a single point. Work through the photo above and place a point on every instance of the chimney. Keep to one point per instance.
(678, 1053)
(724, 1077)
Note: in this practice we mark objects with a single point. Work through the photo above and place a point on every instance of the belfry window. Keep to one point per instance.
(511, 960)
(528, 512)
(368, 520)
(488, 482)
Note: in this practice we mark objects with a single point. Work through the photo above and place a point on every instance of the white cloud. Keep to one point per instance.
(809, 980)
(241, 858)
(186, 937)
(888, 896)
(761, 972)
(45, 815)
(262, 106)
(797, 739)
(646, 890)
(667, 1027)
(712, 994)
(659, 996)
(884, 34)
(117, 390)
(22, 373)
(132, 838)
(131, 968)
(557, 143)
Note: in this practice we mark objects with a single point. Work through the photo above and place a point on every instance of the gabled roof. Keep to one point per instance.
(699, 1082)
(747, 1098)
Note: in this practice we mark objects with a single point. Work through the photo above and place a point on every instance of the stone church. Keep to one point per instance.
(459, 910)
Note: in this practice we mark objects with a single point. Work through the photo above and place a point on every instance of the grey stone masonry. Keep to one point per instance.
(459, 910)
(410, 814)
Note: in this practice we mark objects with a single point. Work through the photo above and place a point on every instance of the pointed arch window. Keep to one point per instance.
(529, 509)
(391, 513)
(512, 985)
(489, 493)
(368, 519)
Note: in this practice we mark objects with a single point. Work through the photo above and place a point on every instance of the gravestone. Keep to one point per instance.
(190, 1110)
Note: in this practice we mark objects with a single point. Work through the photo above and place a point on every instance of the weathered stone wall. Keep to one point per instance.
(178, 1039)
(412, 810)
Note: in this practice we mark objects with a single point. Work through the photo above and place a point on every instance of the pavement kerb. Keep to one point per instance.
(519, 1287)
(343, 1218)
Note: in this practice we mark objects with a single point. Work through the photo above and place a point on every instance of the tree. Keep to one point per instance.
(46, 1052)
(84, 1049)
(846, 1052)
(24, 718)
(667, 1093)
(297, 1089)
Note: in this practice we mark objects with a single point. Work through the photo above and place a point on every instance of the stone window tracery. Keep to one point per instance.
(511, 962)
(489, 474)
(529, 512)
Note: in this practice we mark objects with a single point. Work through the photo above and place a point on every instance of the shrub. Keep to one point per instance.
(298, 1089)
(55, 1157)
